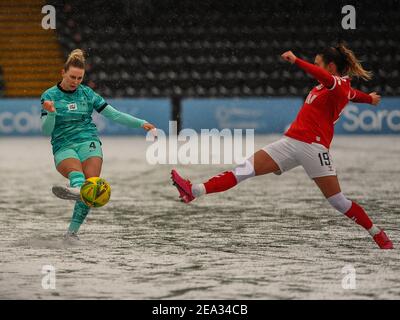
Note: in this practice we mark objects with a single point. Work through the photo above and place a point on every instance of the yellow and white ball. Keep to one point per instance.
(95, 192)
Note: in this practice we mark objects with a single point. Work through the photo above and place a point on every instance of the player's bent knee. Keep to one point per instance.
(340, 202)
(65, 171)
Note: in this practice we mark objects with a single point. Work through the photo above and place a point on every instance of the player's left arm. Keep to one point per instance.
(362, 97)
(126, 119)
(102, 107)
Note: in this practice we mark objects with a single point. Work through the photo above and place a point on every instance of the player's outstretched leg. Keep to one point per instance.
(331, 189)
(260, 163)
(70, 168)
(218, 183)
(71, 192)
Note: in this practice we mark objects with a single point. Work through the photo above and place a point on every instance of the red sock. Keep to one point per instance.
(358, 215)
(221, 182)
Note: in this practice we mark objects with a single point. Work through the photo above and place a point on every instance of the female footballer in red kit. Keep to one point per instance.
(306, 143)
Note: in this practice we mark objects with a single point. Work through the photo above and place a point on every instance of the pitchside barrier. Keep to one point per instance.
(274, 115)
(22, 116)
(265, 115)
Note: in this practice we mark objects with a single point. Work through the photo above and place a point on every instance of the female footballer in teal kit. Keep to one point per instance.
(67, 115)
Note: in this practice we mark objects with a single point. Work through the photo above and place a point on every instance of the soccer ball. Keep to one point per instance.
(95, 192)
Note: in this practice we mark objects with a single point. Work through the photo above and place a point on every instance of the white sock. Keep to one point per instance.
(244, 171)
(340, 202)
(198, 190)
(374, 230)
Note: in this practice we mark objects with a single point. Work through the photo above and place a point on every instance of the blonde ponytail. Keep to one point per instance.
(354, 67)
(75, 59)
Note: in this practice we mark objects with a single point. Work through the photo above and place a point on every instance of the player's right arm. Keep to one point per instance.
(321, 75)
(48, 116)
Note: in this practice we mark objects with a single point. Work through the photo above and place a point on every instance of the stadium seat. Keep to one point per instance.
(192, 49)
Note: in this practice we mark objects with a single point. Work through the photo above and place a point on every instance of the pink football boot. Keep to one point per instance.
(383, 240)
(184, 187)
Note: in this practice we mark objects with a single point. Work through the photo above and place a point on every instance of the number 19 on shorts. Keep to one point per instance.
(324, 159)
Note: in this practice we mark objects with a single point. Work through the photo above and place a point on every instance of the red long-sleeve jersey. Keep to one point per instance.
(323, 106)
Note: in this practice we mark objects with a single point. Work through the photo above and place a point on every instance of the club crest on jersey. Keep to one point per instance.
(72, 106)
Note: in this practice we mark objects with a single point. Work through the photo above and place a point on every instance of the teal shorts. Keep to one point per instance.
(81, 151)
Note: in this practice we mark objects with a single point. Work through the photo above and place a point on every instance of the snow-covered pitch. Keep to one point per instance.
(271, 237)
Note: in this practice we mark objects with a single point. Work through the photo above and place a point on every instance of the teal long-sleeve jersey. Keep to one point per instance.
(72, 122)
